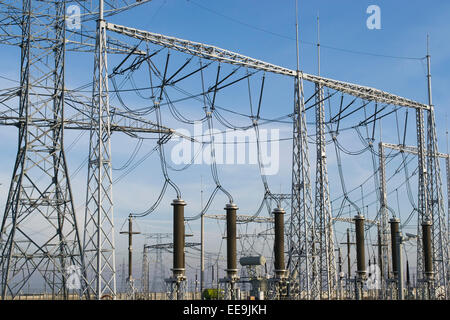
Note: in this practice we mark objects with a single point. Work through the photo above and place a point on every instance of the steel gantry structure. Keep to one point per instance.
(41, 149)
(302, 234)
(440, 240)
(40, 191)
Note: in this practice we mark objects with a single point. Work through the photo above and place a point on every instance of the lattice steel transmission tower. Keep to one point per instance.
(435, 197)
(302, 255)
(158, 268)
(145, 272)
(384, 233)
(422, 203)
(158, 273)
(323, 224)
(40, 195)
(98, 243)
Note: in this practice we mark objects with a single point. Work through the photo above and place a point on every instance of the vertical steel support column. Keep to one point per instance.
(323, 224)
(440, 250)
(422, 198)
(99, 246)
(322, 213)
(398, 253)
(439, 236)
(130, 249)
(130, 280)
(384, 221)
(145, 273)
(302, 255)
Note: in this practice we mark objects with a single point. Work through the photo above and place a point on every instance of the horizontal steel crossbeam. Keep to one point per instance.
(410, 149)
(217, 54)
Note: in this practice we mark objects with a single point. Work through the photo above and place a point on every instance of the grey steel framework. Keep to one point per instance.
(157, 283)
(301, 244)
(322, 213)
(145, 279)
(40, 153)
(440, 241)
(40, 192)
(384, 222)
(98, 244)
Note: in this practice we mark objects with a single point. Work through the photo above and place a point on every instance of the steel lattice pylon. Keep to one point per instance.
(422, 205)
(385, 235)
(322, 214)
(40, 194)
(302, 257)
(145, 272)
(158, 272)
(98, 243)
(436, 207)
(435, 198)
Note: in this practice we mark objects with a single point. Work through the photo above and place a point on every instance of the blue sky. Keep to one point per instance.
(389, 59)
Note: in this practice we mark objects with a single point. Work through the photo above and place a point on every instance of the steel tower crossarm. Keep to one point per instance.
(217, 54)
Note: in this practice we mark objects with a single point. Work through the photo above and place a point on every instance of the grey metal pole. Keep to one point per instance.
(349, 267)
(202, 240)
(399, 245)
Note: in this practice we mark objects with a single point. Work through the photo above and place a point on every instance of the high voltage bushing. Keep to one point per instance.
(427, 250)
(279, 242)
(395, 225)
(178, 238)
(231, 209)
(360, 250)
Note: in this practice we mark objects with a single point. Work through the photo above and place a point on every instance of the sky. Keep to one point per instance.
(390, 59)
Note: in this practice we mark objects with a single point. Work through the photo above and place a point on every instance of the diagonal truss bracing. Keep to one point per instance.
(40, 194)
(222, 55)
